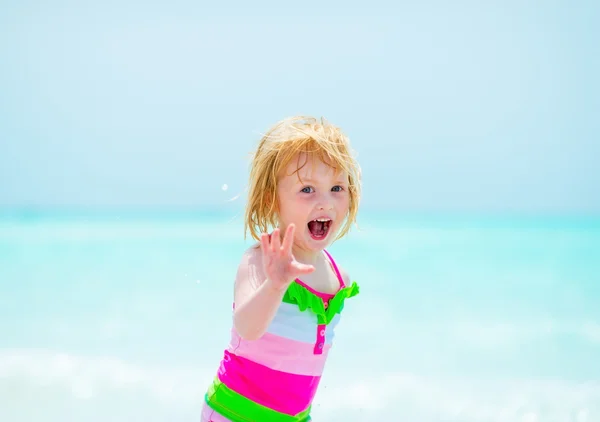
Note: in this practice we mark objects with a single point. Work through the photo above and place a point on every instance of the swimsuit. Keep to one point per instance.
(275, 377)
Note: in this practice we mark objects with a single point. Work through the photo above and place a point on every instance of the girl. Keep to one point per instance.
(289, 292)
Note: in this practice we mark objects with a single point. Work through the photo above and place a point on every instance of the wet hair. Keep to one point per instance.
(318, 139)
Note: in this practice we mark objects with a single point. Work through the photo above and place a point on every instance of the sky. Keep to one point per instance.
(451, 106)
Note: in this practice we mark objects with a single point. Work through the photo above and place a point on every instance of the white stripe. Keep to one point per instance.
(290, 322)
(330, 330)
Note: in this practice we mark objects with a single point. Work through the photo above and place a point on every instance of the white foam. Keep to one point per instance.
(410, 397)
(45, 385)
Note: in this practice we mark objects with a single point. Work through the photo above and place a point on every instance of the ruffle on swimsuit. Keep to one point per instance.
(305, 299)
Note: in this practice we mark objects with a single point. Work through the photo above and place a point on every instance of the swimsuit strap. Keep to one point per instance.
(335, 267)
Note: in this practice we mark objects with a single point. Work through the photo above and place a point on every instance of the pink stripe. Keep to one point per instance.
(335, 267)
(322, 295)
(280, 391)
(310, 289)
(281, 354)
(320, 345)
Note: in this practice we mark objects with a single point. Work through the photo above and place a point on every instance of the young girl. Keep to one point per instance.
(289, 292)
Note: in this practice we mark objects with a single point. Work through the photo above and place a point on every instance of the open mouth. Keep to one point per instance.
(319, 228)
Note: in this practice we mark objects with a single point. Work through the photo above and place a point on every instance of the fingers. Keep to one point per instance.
(276, 241)
(264, 243)
(288, 239)
(303, 268)
(274, 245)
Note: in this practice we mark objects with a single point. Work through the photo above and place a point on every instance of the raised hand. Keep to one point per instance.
(279, 263)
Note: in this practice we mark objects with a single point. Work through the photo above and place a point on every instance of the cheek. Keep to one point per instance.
(293, 208)
(343, 202)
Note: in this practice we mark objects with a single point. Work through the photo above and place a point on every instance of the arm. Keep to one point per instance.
(262, 279)
(256, 297)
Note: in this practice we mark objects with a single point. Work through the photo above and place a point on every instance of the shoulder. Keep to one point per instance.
(251, 262)
(250, 273)
(251, 256)
(345, 275)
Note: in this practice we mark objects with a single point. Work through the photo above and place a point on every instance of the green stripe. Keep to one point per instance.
(238, 408)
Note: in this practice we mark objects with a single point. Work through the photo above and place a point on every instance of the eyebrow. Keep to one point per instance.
(309, 180)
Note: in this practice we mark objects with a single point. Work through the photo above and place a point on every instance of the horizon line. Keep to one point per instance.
(158, 210)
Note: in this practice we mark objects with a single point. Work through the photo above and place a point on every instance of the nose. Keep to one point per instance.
(325, 203)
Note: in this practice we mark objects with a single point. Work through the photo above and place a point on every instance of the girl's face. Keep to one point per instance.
(315, 199)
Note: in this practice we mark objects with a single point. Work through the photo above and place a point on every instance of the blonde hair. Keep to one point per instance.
(288, 137)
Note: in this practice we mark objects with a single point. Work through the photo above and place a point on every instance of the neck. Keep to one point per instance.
(306, 256)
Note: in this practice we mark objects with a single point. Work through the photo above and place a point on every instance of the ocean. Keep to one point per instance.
(124, 317)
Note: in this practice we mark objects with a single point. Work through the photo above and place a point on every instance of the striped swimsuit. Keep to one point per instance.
(275, 378)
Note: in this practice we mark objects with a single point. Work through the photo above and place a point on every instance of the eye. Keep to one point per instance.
(307, 189)
(337, 188)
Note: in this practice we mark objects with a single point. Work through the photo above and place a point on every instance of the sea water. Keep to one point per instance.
(124, 317)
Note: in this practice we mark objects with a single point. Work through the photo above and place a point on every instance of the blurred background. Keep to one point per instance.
(125, 135)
